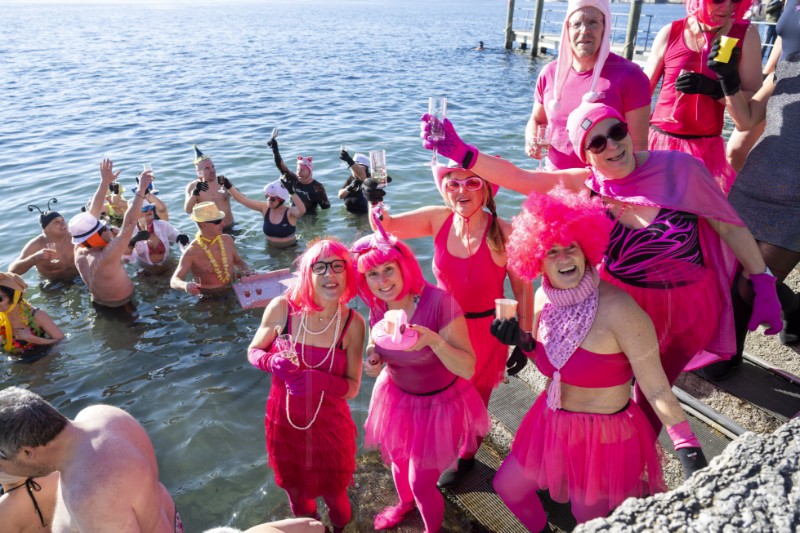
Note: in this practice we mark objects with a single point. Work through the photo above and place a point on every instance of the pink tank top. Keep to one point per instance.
(421, 372)
(588, 369)
(474, 281)
(696, 114)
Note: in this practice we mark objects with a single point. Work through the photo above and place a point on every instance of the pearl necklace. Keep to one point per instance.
(330, 355)
(224, 274)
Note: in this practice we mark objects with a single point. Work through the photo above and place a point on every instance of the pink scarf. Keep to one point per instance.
(566, 318)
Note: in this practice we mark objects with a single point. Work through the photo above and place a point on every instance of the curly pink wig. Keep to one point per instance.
(373, 251)
(557, 218)
(699, 9)
(301, 289)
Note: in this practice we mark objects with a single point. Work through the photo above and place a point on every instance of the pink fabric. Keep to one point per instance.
(709, 150)
(419, 485)
(565, 320)
(321, 460)
(678, 181)
(426, 430)
(682, 436)
(593, 461)
(587, 369)
(475, 282)
(624, 87)
(421, 371)
(518, 491)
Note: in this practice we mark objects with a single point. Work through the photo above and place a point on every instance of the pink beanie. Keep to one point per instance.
(581, 121)
(564, 60)
(306, 162)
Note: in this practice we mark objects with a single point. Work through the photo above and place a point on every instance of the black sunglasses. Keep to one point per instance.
(723, 1)
(320, 268)
(215, 222)
(617, 132)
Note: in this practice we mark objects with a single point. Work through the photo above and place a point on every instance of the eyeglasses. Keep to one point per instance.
(470, 184)
(617, 132)
(215, 222)
(320, 268)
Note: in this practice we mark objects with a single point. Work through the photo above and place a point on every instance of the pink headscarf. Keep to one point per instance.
(564, 60)
(699, 10)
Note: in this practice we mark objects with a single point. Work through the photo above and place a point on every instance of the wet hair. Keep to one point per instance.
(413, 280)
(301, 290)
(557, 218)
(26, 419)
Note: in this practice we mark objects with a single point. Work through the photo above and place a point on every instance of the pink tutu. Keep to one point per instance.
(490, 354)
(428, 430)
(597, 460)
(710, 150)
(685, 317)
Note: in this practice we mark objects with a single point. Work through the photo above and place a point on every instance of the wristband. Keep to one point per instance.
(682, 436)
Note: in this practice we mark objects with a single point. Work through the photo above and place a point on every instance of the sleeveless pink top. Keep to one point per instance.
(696, 114)
(588, 369)
(474, 281)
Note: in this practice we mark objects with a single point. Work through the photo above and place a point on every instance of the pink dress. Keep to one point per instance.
(475, 282)
(419, 410)
(698, 118)
(321, 460)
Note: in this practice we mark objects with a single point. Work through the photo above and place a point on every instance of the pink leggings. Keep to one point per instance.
(414, 484)
(517, 487)
(338, 506)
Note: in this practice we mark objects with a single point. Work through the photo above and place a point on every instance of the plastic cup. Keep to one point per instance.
(505, 308)
(726, 46)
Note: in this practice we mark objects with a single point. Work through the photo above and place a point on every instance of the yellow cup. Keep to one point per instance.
(726, 46)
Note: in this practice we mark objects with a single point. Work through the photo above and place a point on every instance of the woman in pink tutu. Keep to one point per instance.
(469, 262)
(689, 112)
(674, 239)
(316, 368)
(583, 440)
(423, 407)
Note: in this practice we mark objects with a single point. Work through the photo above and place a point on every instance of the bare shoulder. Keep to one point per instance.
(191, 186)
(618, 308)
(103, 415)
(34, 245)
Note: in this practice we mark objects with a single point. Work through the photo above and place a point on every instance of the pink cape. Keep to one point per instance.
(679, 181)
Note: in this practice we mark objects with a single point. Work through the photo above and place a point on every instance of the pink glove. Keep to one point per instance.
(451, 146)
(314, 382)
(271, 362)
(766, 307)
(682, 436)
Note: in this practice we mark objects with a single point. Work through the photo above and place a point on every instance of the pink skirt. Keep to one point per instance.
(428, 430)
(599, 460)
(710, 150)
(490, 354)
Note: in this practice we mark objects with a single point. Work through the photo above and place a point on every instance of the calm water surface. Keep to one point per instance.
(141, 84)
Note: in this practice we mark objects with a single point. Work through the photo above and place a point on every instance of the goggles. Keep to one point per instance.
(472, 183)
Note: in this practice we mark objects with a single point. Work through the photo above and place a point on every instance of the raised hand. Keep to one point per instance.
(345, 156)
(451, 145)
(182, 239)
(107, 174)
(727, 73)
(199, 186)
(372, 192)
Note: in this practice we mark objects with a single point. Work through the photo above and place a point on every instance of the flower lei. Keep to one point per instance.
(224, 274)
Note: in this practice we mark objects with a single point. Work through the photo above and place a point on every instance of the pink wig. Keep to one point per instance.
(301, 289)
(557, 218)
(375, 250)
(699, 9)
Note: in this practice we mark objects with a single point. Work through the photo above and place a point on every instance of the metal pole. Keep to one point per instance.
(509, 32)
(633, 29)
(537, 23)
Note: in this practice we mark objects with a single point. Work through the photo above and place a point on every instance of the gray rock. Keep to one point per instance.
(753, 486)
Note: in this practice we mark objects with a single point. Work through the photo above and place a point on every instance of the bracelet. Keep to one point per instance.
(140, 196)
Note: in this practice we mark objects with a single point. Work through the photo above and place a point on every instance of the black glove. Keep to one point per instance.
(225, 182)
(288, 183)
(143, 235)
(507, 331)
(372, 192)
(694, 83)
(354, 186)
(388, 179)
(201, 186)
(344, 156)
(273, 144)
(692, 459)
(113, 187)
(727, 73)
(516, 361)
(182, 239)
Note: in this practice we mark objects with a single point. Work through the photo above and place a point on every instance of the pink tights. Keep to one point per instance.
(338, 506)
(466, 453)
(414, 484)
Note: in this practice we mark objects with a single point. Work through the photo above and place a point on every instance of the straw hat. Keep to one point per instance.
(82, 226)
(206, 212)
(12, 281)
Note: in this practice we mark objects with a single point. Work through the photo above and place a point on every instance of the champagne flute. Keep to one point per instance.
(377, 169)
(285, 348)
(52, 246)
(437, 108)
(671, 117)
(542, 141)
(342, 148)
(150, 188)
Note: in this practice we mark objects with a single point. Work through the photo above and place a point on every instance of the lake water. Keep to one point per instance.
(141, 84)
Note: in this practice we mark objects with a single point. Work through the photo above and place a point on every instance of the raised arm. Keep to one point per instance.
(161, 207)
(417, 223)
(273, 145)
(255, 205)
(119, 246)
(107, 176)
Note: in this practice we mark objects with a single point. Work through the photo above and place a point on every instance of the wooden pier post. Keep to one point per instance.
(633, 28)
(509, 32)
(537, 23)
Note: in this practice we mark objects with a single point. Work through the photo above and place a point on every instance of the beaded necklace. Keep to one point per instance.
(224, 274)
(330, 355)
